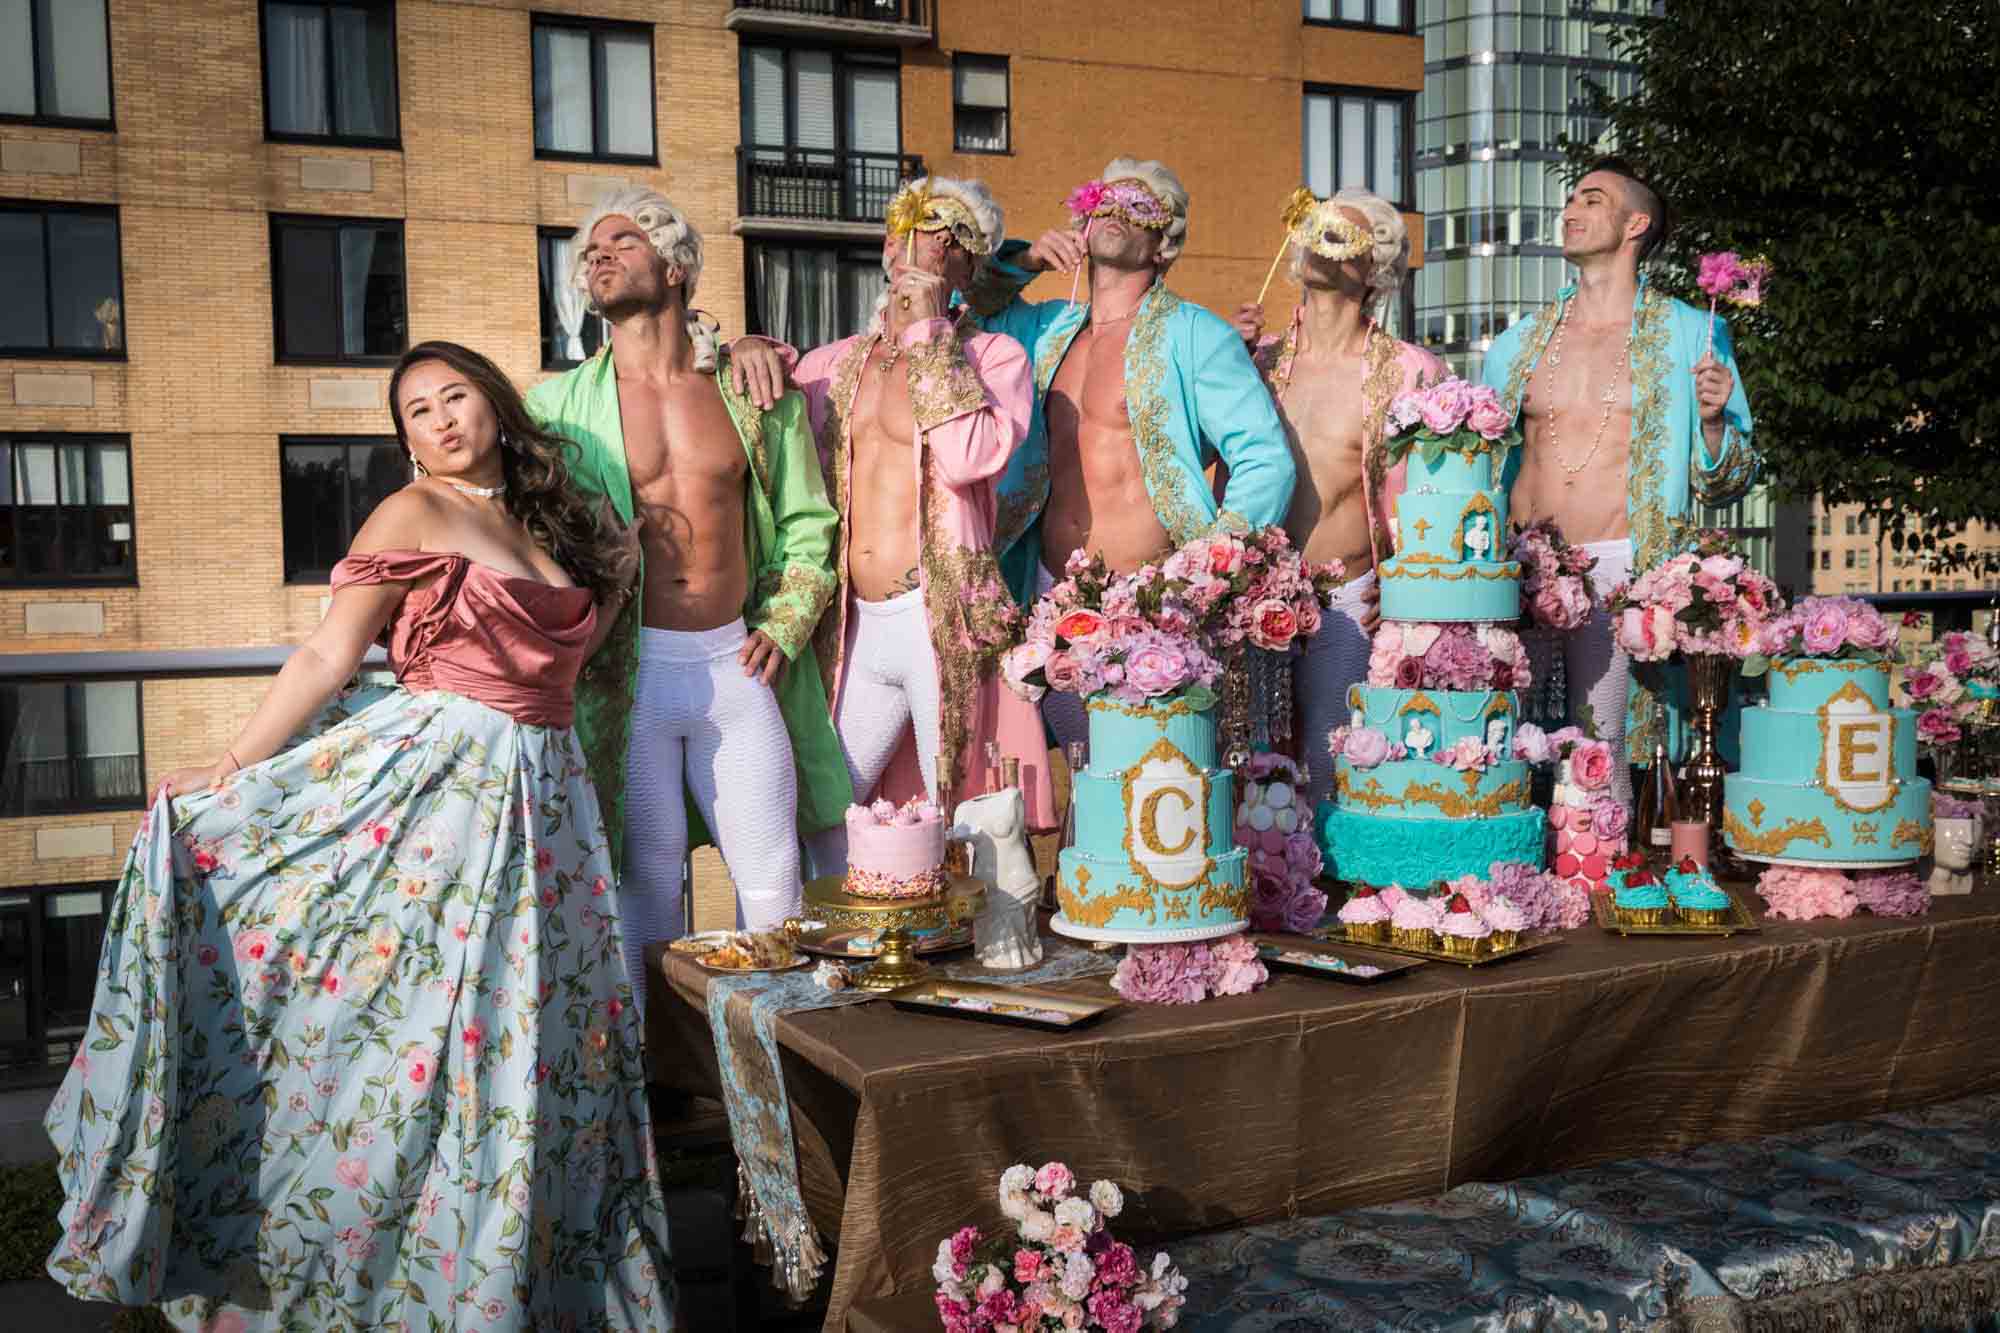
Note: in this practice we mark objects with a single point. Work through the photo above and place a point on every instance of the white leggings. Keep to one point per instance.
(1335, 658)
(888, 684)
(698, 720)
(1597, 670)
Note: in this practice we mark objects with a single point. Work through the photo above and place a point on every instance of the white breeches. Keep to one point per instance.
(1063, 713)
(1598, 672)
(888, 684)
(700, 725)
(1335, 658)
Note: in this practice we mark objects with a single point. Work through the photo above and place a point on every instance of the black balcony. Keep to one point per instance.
(809, 185)
(67, 784)
(894, 22)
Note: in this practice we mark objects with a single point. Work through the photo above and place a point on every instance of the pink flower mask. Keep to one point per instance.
(1130, 199)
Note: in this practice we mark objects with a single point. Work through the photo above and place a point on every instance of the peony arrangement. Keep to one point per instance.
(1162, 630)
(1061, 1270)
(1799, 893)
(1418, 655)
(1956, 682)
(1556, 591)
(1846, 628)
(1451, 415)
(1189, 973)
(1364, 747)
(1702, 601)
(1274, 822)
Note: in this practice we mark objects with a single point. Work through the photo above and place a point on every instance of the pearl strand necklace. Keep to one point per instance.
(1609, 399)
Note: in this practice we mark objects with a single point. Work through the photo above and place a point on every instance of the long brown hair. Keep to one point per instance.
(583, 535)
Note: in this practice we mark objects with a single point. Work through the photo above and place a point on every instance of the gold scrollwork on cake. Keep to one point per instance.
(1453, 806)
(1480, 503)
(1420, 703)
(1425, 558)
(1792, 668)
(1398, 568)
(1231, 898)
(1155, 708)
(1910, 833)
(1756, 809)
(1773, 841)
(1176, 907)
(1866, 831)
(1499, 705)
(1095, 913)
(1368, 793)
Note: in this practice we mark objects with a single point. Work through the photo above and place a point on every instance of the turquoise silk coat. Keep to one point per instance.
(1671, 467)
(1193, 396)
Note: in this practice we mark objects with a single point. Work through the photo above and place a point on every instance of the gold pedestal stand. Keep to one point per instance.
(893, 920)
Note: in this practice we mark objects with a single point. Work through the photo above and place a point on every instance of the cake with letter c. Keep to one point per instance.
(895, 852)
(1829, 771)
(1154, 861)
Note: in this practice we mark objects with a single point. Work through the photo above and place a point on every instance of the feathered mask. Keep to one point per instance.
(917, 207)
(1128, 198)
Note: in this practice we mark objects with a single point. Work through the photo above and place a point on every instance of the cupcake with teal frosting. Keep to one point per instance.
(1696, 895)
(1638, 897)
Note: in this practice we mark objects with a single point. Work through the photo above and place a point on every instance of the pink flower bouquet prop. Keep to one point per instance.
(1556, 591)
(1451, 415)
(1274, 823)
(1060, 1270)
(1955, 683)
(1189, 973)
(1702, 601)
(1727, 276)
(1841, 628)
(1162, 630)
(1419, 655)
(1797, 893)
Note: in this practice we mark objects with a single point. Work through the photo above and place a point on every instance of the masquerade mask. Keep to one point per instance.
(916, 208)
(1128, 199)
(1320, 226)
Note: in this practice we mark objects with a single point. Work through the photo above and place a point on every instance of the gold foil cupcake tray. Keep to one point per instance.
(1740, 921)
(1337, 934)
(1016, 1006)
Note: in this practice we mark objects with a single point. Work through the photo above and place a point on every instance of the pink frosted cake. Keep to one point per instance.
(895, 853)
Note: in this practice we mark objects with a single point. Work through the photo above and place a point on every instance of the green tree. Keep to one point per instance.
(1857, 145)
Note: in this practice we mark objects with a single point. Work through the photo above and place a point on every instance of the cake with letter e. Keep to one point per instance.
(1829, 771)
(1427, 784)
(1154, 860)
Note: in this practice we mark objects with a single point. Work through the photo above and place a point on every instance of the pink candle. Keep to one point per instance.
(1690, 838)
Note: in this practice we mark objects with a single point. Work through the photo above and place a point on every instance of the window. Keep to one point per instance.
(593, 90)
(812, 295)
(1826, 560)
(1366, 13)
(55, 62)
(1850, 525)
(1864, 560)
(50, 938)
(1849, 562)
(1356, 138)
(329, 487)
(822, 133)
(571, 333)
(70, 748)
(979, 94)
(1826, 525)
(330, 71)
(67, 517)
(60, 268)
(339, 293)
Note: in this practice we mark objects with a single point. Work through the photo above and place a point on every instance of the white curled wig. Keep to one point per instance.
(676, 242)
(1161, 181)
(986, 213)
(1391, 250)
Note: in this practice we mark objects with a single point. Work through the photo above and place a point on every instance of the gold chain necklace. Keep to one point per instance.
(1610, 399)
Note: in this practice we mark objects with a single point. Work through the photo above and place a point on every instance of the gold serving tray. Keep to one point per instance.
(1740, 922)
(1341, 959)
(1529, 944)
(832, 941)
(958, 904)
(1013, 1005)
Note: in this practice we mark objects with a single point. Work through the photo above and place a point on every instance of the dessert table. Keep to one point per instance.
(1312, 1096)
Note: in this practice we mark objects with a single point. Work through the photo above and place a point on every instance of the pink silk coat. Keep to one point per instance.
(1389, 367)
(971, 395)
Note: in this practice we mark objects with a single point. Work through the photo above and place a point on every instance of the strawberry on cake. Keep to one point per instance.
(895, 851)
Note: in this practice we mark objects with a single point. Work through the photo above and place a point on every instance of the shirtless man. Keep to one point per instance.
(1631, 413)
(1334, 372)
(916, 418)
(1135, 352)
(736, 534)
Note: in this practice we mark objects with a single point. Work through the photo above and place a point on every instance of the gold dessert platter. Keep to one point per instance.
(894, 920)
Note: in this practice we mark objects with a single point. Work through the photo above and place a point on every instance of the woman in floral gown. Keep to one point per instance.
(363, 1054)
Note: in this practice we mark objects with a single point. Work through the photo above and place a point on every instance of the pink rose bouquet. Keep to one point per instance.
(1189, 973)
(1062, 1269)
(1845, 628)
(1556, 591)
(1706, 600)
(1793, 893)
(1956, 685)
(1412, 655)
(1163, 629)
(1450, 415)
(1274, 823)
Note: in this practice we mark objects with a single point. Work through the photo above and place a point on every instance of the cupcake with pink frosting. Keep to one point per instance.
(1413, 924)
(1461, 929)
(1506, 920)
(1365, 917)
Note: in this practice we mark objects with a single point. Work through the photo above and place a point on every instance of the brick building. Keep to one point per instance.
(232, 215)
(1849, 554)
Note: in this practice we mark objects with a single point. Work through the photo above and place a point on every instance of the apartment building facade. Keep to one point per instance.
(231, 216)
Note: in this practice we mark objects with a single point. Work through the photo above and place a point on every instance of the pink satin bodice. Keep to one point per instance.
(512, 643)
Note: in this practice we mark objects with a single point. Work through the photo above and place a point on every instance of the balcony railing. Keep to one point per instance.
(804, 184)
(71, 783)
(874, 11)
(896, 22)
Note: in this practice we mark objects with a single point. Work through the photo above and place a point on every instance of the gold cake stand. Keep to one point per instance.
(893, 920)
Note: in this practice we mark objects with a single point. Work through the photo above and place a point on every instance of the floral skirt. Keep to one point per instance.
(363, 1054)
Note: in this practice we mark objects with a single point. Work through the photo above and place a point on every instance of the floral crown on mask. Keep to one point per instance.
(1128, 198)
(1319, 226)
(917, 207)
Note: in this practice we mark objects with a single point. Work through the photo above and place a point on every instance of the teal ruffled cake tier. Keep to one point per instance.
(1416, 853)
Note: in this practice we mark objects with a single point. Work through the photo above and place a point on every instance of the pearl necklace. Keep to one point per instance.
(483, 492)
(1609, 398)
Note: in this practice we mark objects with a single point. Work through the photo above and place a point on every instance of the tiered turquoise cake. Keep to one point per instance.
(1414, 821)
(1154, 860)
(1451, 540)
(1829, 771)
